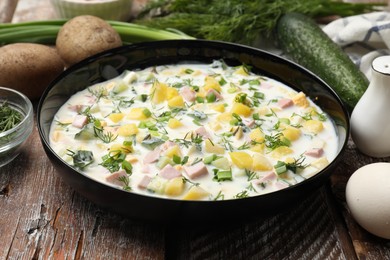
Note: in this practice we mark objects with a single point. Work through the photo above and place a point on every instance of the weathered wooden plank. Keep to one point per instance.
(306, 232)
(43, 218)
(366, 245)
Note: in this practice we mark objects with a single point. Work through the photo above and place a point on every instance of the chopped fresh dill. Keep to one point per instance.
(241, 195)
(251, 175)
(81, 158)
(115, 160)
(274, 141)
(9, 117)
(106, 137)
(61, 124)
(219, 196)
(126, 182)
(239, 21)
(185, 180)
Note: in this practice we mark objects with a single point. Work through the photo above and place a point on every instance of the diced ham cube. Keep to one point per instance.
(249, 122)
(114, 178)
(152, 156)
(285, 102)
(188, 94)
(265, 85)
(197, 170)
(80, 121)
(91, 99)
(202, 131)
(145, 168)
(169, 172)
(76, 108)
(315, 152)
(216, 94)
(165, 146)
(279, 185)
(144, 182)
(269, 177)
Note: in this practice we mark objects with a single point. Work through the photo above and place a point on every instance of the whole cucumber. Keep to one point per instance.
(305, 43)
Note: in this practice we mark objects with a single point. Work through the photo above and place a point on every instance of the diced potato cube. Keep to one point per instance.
(221, 163)
(176, 101)
(138, 113)
(261, 163)
(241, 159)
(291, 133)
(238, 132)
(116, 148)
(211, 83)
(258, 148)
(313, 126)
(320, 163)
(281, 151)
(172, 92)
(225, 117)
(262, 111)
(174, 123)
(56, 136)
(196, 193)
(158, 92)
(103, 123)
(128, 130)
(116, 117)
(174, 187)
(300, 100)
(241, 71)
(215, 126)
(218, 107)
(211, 147)
(257, 135)
(241, 109)
(174, 150)
(131, 158)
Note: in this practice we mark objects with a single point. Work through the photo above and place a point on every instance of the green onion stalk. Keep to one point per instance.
(45, 32)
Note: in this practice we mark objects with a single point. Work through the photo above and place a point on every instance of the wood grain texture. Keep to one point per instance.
(7, 9)
(43, 218)
(307, 232)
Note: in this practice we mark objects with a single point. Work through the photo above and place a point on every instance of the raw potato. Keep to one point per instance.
(29, 67)
(84, 36)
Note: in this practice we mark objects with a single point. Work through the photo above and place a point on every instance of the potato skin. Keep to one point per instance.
(29, 67)
(84, 36)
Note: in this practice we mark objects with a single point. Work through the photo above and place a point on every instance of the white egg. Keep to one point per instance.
(368, 198)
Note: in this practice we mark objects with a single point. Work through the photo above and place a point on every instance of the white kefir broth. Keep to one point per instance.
(256, 130)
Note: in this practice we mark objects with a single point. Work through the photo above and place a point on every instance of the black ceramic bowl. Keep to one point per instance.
(112, 63)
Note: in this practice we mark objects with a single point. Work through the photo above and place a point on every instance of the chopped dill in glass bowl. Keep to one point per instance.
(16, 123)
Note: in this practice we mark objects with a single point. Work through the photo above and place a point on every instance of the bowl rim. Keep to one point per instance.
(165, 43)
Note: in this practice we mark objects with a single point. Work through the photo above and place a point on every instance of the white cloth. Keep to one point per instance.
(363, 37)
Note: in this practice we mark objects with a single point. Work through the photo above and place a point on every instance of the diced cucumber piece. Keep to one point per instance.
(87, 133)
(157, 185)
(120, 87)
(163, 161)
(221, 163)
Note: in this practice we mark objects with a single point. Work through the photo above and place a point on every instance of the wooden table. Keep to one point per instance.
(43, 218)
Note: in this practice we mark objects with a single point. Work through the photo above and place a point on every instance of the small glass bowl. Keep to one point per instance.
(11, 141)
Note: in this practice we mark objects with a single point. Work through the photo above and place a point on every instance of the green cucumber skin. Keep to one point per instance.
(306, 44)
